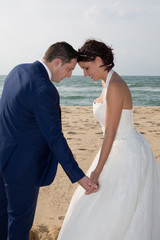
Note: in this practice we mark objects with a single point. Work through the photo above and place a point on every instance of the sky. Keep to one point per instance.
(130, 27)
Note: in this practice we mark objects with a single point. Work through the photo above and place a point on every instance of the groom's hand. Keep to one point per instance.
(88, 185)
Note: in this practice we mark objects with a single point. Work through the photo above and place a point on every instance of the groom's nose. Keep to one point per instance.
(69, 74)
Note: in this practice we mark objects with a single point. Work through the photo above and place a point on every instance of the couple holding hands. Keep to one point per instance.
(118, 197)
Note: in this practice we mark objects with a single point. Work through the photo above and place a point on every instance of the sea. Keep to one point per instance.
(79, 90)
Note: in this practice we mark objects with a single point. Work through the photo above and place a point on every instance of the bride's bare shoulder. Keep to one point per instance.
(117, 82)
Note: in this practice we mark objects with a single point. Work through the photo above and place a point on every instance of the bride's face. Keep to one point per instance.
(93, 69)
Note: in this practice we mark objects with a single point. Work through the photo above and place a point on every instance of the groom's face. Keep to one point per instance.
(63, 70)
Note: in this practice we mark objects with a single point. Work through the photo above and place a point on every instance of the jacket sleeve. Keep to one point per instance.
(47, 113)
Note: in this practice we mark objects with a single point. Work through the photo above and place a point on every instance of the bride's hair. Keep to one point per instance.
(92, 49)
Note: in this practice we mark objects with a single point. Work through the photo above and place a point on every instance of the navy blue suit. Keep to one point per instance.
(31, 141)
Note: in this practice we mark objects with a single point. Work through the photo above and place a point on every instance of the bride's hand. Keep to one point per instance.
(94, 177)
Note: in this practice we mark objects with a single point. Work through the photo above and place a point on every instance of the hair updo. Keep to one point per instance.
(92, 49)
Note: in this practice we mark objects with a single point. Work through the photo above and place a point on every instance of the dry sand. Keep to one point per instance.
(84, 136)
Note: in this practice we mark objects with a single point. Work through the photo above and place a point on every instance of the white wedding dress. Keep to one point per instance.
(127, 205)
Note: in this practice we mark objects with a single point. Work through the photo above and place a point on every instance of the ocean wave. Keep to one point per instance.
(79, 90)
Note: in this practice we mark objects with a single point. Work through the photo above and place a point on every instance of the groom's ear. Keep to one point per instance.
(57, 62)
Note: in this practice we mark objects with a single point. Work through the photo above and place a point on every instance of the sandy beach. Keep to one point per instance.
(84, 136)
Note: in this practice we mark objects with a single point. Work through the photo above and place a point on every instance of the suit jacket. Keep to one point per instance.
(31, 139)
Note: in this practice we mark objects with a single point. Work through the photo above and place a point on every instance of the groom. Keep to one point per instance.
(31, 139)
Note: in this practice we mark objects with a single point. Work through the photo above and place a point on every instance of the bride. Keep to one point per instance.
(126, 207)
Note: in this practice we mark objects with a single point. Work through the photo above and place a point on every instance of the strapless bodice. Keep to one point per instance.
(126, 126)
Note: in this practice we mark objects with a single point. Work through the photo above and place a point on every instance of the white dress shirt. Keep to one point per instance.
(47, 69)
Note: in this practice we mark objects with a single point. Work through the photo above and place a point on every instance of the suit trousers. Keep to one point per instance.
(17, 209)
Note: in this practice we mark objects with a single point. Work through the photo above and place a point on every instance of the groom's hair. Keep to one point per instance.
(61, 50)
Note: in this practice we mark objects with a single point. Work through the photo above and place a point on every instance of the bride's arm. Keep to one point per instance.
(114, 105)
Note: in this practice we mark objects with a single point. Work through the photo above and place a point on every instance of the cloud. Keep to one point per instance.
(121, 10)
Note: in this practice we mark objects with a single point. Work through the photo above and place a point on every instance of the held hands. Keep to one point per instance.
(88, 185)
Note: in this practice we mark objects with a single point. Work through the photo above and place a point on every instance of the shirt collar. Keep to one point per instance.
(47, 69)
